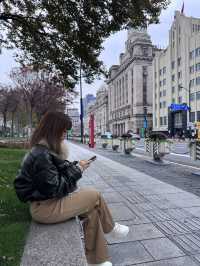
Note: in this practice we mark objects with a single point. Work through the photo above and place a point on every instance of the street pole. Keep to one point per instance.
(189, 104)
(145, 121)
(81, 103)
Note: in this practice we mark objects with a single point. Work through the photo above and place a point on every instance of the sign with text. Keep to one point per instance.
(179, 107)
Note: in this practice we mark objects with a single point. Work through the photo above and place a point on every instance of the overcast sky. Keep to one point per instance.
(116, 43)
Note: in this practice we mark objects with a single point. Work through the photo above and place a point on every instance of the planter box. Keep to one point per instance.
(164, 147)
(128, 150)
(115, 147)
(104, 145)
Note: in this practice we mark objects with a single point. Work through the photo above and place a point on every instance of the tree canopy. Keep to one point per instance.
(64, 34)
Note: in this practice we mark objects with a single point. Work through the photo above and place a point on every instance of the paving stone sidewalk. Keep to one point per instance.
(164, 220)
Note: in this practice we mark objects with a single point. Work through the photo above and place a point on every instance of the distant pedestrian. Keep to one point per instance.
(48, 181)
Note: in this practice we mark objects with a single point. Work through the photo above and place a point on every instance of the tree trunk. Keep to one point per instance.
(4, 123)
(12, 125)
(18, 124)
(30, 121)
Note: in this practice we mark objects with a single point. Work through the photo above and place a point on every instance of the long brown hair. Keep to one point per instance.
(51, 127)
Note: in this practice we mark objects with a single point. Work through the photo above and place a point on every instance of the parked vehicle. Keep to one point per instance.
(107, 135)
(133, 135)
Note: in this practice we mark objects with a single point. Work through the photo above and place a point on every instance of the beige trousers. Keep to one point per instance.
(90, 206)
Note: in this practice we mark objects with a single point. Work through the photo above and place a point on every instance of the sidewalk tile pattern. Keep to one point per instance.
(163, 219)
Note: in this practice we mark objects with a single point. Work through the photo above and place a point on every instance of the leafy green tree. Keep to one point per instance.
(64, 34)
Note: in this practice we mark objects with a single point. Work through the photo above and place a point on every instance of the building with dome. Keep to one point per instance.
(130, 86)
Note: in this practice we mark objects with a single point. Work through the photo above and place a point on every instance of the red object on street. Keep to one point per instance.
(91, 127)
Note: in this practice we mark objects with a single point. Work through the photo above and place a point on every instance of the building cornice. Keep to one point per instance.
(125, 66)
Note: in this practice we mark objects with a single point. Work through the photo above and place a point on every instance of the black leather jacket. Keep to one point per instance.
(43, 175)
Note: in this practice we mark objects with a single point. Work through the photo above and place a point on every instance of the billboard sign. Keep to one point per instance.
(179, 107)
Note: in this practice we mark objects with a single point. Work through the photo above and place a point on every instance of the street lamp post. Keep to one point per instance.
(81, 103)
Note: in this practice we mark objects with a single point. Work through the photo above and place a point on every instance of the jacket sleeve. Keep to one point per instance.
(49, 180)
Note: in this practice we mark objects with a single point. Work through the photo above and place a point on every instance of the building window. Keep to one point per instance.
(179, 61)
(198, 95)
(192, 53)
(180, 99)
(197, 51)
(173, 77)
(173, 89)
(123, 91)
(160, 93)
(120, 92)
(192, 69)
(161, 121)
(164, 93)
(160, 72)
(155, 74)
(164, 82)
(173, 64)
(198, 67)
(179, 74)
(179, 87)
(192, 116)
(145, 85)
(126, 85)
(145, 51)
(192, 83)
(164, 104)
(198, 115)
(160, 83)
(160, 105)
(197, 80)
(164, 70)
(192, 97)
(165, 120)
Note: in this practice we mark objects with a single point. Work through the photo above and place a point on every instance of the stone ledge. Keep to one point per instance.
(55, 244)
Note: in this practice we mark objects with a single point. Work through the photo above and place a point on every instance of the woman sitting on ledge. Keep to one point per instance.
(48, 181)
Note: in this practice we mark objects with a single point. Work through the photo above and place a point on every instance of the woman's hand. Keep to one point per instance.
(84, 164)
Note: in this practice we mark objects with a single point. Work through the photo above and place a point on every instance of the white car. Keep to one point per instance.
(107, 135)
(134, 136)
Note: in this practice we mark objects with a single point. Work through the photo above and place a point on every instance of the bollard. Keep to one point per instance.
(115, 144)
(127, 143)
(157, 146)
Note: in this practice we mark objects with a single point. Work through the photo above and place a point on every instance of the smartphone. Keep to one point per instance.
(93, 158)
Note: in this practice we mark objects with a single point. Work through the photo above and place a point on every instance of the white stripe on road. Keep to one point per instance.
(180, 164)
(178, 154)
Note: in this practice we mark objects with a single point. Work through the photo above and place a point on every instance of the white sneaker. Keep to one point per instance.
(106, 263)
(119, 231)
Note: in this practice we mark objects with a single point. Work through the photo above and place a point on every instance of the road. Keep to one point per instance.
(176, 173)
(179, 153)
(177, 148)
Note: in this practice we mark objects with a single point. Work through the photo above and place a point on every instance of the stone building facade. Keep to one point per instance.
(130, 85)
(73, 113)
(176, 76)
